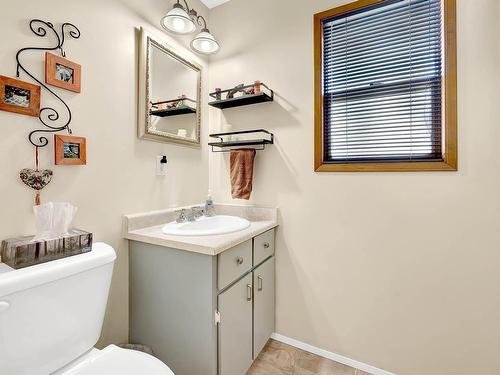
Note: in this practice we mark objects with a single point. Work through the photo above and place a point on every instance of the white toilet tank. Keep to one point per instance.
(52, 313)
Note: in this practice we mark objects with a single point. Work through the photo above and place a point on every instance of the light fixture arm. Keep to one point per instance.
(188, 10)
(194, 14)
(199, 19)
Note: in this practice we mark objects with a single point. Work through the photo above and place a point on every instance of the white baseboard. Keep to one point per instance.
(333, 356)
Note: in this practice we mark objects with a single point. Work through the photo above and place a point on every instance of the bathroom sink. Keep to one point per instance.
(207, 226)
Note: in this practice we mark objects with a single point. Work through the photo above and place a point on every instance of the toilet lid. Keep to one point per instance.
(114, 360)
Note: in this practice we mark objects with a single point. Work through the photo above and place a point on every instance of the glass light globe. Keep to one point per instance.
(206, 46)
(205, 43)
(178, 21)
(179, 24)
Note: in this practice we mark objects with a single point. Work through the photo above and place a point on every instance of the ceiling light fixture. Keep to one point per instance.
(181, 20)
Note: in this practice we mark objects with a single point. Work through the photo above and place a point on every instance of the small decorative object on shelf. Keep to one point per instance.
(175, 107)
(235, 90)
(176, 103)
(256, 87)
(160, 105)
(241, 95)
(23, 251)
(257, 139)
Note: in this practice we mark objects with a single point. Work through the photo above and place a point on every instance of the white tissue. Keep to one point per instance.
(53, 220)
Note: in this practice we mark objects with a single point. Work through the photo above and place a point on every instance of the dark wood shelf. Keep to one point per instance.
(248, 99)
(227, 145)
(172, 111)
(263, 94)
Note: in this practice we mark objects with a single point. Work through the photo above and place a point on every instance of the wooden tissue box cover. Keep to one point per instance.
(22, 252)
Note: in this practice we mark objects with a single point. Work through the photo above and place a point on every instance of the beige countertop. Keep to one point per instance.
(146, 227)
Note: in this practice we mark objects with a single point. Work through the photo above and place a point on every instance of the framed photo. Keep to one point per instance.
(62, 73)
(19, 97)
(70, 150)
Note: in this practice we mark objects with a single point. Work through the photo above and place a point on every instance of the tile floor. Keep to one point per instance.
(280, 359)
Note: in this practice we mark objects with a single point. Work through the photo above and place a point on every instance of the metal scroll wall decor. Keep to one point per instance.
(49, 117)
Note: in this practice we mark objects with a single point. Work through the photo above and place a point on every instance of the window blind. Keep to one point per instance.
(382, 78)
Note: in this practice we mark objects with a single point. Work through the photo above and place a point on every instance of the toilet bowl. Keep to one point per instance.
(51, 317)
(115, 360)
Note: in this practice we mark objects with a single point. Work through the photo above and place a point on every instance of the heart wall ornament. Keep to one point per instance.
(36, 179)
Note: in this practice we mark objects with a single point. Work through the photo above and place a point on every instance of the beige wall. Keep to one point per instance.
(397, 270)
(120, 175)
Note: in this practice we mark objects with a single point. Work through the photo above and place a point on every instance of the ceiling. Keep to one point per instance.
(213, 3)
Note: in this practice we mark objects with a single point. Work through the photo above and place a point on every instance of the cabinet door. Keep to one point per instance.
(235, 328)
(263, 279)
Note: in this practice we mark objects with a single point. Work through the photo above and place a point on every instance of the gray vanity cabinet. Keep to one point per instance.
(247, 307)
(203, 314)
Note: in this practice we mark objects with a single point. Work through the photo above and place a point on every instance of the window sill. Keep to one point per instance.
(388, 167)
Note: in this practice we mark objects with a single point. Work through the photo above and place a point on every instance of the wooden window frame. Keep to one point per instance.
(450, 154)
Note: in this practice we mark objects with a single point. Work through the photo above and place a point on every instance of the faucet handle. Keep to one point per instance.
(197, 211)
(182, 216)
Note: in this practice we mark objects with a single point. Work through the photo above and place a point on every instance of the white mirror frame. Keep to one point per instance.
(144, 98)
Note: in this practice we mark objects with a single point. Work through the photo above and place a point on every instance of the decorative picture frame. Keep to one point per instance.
(62, 73)
(70, 150)
(19, 97)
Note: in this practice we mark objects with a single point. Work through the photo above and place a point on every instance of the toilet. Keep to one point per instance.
(51, 317)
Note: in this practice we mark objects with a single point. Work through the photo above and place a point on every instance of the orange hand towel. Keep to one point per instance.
(241, 165)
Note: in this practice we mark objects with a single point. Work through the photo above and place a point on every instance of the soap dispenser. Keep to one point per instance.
(209, 205)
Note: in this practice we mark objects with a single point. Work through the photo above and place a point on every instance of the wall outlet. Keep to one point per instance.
(161, 165)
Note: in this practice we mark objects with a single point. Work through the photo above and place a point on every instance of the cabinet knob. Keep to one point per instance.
(266, 245)
(239, 261)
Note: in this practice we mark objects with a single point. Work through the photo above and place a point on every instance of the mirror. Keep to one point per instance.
(169, 94)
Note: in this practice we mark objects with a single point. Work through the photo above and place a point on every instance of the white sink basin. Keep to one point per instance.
(207, 226)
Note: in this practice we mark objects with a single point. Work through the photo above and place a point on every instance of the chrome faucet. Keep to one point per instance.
(191, 214)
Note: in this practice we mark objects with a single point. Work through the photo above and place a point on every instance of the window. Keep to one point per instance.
(385, 86)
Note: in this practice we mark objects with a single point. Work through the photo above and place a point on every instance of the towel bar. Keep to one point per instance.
(227, 142)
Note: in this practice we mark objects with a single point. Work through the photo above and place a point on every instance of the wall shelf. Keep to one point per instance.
(172, 111)
(182, 109)
(265, 95)
(257, 139)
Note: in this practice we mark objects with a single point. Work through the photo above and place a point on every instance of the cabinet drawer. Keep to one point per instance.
(263, 246)
(234, 263)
